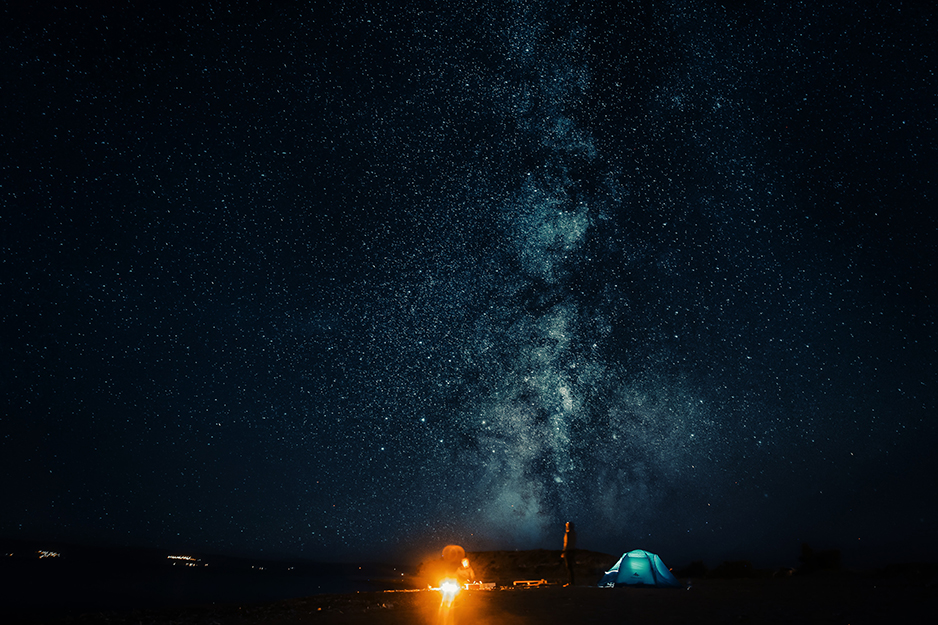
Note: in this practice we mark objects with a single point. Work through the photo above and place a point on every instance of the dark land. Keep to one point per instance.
(140, 587)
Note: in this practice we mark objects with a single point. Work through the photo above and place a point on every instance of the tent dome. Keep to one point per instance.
(639, 568)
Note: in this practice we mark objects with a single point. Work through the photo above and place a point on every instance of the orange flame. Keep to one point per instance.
(449, 588)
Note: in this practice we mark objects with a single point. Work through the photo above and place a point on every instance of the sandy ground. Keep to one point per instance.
(825, 598)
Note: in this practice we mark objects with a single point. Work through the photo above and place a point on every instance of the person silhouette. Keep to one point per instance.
(465, 574)
(569, 552)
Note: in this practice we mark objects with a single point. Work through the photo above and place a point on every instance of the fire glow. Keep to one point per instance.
(449, 588)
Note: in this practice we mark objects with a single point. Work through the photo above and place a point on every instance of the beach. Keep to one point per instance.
(823, 598)
(732, 592)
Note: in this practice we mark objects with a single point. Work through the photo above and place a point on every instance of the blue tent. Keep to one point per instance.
(639, 568)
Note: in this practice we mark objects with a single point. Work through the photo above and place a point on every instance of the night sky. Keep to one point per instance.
(369, 279)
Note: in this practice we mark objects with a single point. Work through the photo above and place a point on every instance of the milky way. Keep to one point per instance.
(368, 281)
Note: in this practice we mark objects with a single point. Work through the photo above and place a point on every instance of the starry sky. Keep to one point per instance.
(367, 279)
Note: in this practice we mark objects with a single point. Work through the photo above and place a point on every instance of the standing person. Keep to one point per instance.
(569, 552)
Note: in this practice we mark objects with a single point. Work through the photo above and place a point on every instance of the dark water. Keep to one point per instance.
(50, 589)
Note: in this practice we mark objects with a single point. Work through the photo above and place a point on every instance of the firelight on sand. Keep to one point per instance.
(449, 589)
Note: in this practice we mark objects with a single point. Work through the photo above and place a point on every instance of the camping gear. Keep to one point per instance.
(639, 568)
(530, 583)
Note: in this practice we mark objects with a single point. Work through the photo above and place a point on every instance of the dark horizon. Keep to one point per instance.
(356, 279)
(851, 558)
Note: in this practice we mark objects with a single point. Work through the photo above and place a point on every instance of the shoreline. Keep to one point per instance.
(818, 598)
(72, 590)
